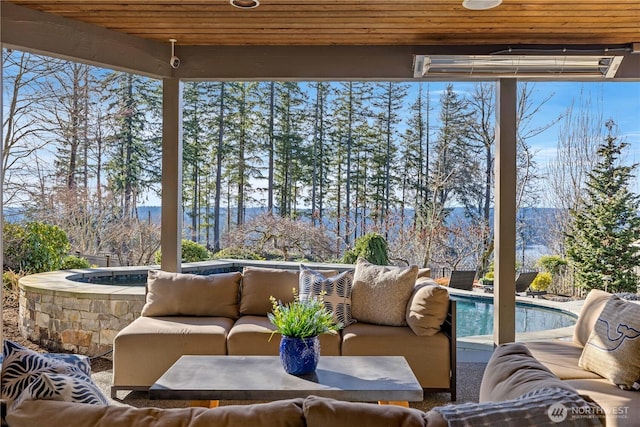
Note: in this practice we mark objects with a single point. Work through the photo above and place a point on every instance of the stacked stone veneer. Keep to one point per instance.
(81, 323)
(63, 314)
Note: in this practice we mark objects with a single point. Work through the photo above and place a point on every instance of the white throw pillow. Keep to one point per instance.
(380, 293)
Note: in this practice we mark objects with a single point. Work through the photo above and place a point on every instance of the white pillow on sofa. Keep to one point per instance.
(613, 349)
(380, 293)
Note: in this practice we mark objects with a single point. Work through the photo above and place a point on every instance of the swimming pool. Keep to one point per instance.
(474, 316)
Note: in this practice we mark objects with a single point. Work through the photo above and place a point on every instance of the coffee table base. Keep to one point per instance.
(205, 403)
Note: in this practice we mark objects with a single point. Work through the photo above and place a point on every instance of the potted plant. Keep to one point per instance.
(300, 322)
(487, 280)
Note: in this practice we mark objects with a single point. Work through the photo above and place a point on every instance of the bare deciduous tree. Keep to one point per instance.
(267, 234)
(24, 124)
(578, 139)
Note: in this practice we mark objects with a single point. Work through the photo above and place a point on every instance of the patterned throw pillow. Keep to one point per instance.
(42, 375)
(548, 407)
(337, 292)
(68, 388)
(614, 345)
(380, 293)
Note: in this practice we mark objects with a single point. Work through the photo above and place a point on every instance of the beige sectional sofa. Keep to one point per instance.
(226, 313)
(567, 363)
(313, 411)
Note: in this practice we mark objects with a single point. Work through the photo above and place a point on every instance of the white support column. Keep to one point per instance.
(504, 305)
(171, 225)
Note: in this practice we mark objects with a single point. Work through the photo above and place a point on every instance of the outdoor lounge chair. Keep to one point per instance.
(522, 283)
(462, 279)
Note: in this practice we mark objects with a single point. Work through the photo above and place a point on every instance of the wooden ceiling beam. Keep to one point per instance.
(37, 32)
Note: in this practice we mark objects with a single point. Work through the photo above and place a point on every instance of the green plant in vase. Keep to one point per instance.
(300, 322)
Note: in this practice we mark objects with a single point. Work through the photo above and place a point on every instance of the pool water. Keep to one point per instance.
(474, 316)
(120, 280)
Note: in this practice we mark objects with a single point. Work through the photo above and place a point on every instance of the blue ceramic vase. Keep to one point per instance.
(299, 356)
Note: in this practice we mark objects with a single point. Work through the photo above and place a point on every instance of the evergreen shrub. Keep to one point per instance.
(372, 247)
(191, 252)
(34, 247)
(554, 264)
(236, 253)
(71, 261)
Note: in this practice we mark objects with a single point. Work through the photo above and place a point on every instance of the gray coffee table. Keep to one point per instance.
(386, 379)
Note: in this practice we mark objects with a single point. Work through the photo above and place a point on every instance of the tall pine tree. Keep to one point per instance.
(606, 224)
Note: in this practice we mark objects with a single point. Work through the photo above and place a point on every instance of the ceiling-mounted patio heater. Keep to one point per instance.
(531, 66)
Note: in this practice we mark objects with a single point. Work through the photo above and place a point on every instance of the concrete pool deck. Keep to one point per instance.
(479, 348)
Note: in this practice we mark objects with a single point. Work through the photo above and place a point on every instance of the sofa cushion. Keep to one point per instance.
(549, 406)
(421, 352)
(380, 293)
(335, 291)
(427, 308)
(258, 284)
(621, 407)
(593, 305)
(148, 346)
(282, 413)
(181, 294)
(613, 349)
(323, 412)
(251, 335)
(22, 367)
(560, 357)
(512, 371)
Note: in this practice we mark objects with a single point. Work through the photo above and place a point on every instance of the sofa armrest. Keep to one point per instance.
(513, 371)
(449, 329)
(427, 308)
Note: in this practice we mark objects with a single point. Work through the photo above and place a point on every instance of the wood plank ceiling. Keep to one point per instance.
(359, 22)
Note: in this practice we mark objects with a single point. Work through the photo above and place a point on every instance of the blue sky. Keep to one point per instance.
(619, 101)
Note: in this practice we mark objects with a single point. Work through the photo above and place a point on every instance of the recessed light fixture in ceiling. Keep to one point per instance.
(481, 4)
(244, 4)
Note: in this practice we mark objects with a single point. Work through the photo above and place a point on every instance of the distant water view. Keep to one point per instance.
(475, 317)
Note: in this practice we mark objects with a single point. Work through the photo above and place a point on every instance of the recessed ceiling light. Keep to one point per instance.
(244, 4)
(481, 4)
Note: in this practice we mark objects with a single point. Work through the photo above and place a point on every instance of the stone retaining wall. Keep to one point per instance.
(84, 324)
